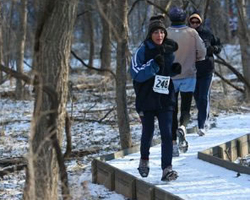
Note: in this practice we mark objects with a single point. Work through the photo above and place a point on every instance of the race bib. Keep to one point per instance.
(161, 84)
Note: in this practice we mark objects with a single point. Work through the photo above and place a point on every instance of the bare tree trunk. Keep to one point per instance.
(122, 42)
(52, 51)
(21, 48)
(228, 33)
(8, 38)
(244, 38)
(1, 43)
(218, 19)
(105, 10)
(222, 82)
(207, 2)
(91, 32)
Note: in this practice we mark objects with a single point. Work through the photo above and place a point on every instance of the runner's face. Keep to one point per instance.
(195, 23)
(158, 36)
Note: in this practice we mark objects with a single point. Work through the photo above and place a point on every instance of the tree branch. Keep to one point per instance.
(220, 60)
(229, 83)
(158, 7)
(206, 10)
(133, 6)
(90, 67)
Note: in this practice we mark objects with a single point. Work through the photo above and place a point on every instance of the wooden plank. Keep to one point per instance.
(234, 150)
(244, 144)
(94, 170)
(161, 194)
(122, 182)
(127, 151)
(144, 190)
(223, 163)
(216, 151)
(125, 184)
(105, 175)
(120, 154)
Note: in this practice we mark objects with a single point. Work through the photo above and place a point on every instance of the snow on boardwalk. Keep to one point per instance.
(198, 180)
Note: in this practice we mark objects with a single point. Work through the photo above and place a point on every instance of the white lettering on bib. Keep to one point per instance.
(161, 84)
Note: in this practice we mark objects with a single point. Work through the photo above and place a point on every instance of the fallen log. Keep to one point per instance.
(11, 169)
(10, 165)
(81, 153)
(12, 161)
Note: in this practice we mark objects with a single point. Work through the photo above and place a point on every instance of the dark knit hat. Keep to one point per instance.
(156, 22)
(177, 14)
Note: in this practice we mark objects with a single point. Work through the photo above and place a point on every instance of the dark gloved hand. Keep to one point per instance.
(169, 46)
(176, 68)
(210, 50)
(217, 50)
(159, 60)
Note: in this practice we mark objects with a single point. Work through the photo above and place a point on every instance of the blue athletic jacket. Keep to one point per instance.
(143, 70)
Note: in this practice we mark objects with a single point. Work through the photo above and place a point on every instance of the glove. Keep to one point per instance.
(159, 60)
(217, 50)
(169, 46)
(210, 50)
(176, 68)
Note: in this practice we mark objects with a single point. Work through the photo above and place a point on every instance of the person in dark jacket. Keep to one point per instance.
(205, 71)
(151, 70)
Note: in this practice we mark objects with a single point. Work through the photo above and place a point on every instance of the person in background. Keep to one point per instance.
(233, 23)
(205, 69)
(151, 68)
(191, 49)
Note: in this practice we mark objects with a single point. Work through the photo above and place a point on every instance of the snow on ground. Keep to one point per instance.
(15, 119)
(199, 179)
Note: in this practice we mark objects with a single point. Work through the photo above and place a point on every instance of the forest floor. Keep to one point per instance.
(94, 129)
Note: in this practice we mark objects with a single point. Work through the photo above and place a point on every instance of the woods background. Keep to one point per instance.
(43, 42)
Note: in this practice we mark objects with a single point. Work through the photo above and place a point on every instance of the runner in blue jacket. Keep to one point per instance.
(151, 68)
